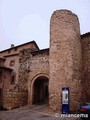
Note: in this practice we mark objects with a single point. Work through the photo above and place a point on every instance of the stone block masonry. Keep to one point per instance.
(65, 59)
(18, 96)
(15, 99)
(86, 64)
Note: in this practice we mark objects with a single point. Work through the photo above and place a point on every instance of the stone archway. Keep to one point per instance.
(40, 93)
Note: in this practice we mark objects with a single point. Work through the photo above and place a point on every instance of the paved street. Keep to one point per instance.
(34, 113)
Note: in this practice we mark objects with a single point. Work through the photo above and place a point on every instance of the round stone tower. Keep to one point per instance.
(65, 59)
(86, 64)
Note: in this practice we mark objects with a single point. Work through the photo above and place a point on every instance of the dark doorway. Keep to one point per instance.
(1, 99)
(40, 90)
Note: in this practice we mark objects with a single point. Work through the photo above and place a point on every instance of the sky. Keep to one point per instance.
(22, 21)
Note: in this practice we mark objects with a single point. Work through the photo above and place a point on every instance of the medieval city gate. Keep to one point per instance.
(40, 94)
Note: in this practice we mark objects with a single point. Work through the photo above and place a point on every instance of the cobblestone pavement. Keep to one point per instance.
(34, 113)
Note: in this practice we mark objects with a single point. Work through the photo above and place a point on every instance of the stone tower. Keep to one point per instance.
(86, 63)
(65, 59)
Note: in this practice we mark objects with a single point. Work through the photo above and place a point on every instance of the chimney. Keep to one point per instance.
(12, 45)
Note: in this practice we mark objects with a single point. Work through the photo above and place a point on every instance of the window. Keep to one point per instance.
(12, 63)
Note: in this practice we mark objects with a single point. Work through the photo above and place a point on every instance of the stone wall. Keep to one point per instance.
(86, 64)
(18, 96)
(5, 77)
(24, 69)
(33, 64)
(2, 60)
(65, 59)
(15, 99)
(15, 67)
(12, 54)
(39, 67)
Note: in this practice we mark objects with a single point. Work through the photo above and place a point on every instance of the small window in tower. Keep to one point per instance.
(12, 63)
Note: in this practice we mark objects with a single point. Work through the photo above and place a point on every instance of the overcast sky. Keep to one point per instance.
(26, 20)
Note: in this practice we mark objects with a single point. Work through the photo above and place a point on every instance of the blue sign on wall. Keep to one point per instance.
(65, 100)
